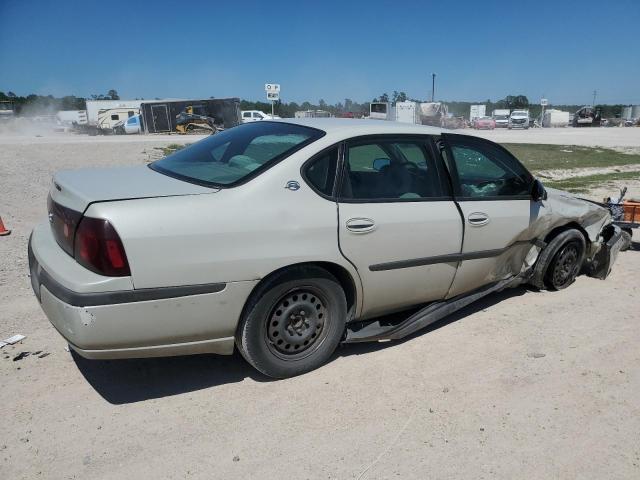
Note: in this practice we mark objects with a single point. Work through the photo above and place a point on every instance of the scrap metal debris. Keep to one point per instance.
(12, 340)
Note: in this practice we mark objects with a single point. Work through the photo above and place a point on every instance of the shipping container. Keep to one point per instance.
(555, 118)
(407, 112)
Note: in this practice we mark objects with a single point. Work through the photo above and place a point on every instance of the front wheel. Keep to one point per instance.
(293, 322)
(560, 262)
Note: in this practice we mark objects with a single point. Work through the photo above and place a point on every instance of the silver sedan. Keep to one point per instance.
(286, 238)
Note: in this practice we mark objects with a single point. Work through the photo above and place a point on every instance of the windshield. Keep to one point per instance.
(501, 117)
(237, 154)
(519, 113)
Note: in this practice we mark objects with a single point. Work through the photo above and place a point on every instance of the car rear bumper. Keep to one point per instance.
(139, 323)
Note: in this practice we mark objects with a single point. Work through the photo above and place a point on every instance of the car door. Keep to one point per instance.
(493, 192)
(398, 224)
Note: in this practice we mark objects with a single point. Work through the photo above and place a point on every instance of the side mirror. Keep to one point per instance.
(380, 163)
(538, 192)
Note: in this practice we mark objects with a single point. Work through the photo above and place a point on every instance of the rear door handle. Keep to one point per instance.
(360, 225)
(477, 219)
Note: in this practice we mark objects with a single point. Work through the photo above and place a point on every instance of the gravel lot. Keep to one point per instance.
(522, 384)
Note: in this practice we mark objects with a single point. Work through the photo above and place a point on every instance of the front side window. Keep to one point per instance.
(231, 156)
(256, 115)
(485, 170)
(390, 170)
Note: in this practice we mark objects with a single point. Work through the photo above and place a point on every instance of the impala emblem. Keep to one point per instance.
(292, 185)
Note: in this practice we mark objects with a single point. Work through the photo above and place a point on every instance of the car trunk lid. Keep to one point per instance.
(77, 189)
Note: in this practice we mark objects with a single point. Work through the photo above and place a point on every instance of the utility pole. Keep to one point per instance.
(595, 92)
(433, 86)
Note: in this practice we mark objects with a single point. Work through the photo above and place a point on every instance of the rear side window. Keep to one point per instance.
(321, 171)
(390, 170)
(236, 154)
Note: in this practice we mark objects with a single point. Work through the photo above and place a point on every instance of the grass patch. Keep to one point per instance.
(584, 184)
(546, 157)
(169, 149)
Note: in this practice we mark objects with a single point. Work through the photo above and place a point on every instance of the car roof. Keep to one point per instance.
(354, 127)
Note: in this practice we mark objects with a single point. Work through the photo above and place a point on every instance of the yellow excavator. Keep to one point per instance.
(189, 122)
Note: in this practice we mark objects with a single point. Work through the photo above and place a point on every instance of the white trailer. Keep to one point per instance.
(381, 111)
(407, 112)
(477, 111)
(95, 106)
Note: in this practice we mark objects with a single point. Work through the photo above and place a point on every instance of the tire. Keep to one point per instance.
(293, 322)
(560, 262)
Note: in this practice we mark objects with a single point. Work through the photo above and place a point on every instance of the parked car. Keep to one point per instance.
(284, 239)
(484, 123)
(501, 116)
(130, 126)
(519, 119)
(256, 116)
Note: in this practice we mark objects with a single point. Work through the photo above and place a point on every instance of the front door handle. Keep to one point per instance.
(360, 225)
(478, 219)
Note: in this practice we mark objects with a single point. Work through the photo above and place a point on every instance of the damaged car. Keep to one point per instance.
(284, 239)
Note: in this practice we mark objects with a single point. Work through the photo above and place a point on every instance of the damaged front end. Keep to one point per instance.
(600, 263)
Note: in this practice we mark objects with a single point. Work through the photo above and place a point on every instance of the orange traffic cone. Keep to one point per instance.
(3, 231)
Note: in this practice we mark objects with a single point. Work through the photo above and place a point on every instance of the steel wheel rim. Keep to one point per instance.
(297, 324)
(566, 265)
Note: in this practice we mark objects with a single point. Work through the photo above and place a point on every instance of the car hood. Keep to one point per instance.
(77, 189)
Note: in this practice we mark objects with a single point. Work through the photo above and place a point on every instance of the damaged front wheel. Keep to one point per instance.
(560, 262)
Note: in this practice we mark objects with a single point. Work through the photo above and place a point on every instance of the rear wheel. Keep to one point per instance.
(293, 322)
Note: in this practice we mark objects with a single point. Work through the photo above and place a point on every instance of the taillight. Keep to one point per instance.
(99, 248)
(63, 222)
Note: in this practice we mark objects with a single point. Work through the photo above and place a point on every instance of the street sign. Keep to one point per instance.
(544, 102)
(273, 94)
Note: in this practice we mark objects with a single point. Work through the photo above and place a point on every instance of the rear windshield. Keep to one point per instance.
(237, 154)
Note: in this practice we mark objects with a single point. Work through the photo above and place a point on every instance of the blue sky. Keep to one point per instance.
(480, 50)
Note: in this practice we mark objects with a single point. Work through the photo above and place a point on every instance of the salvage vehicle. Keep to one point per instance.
(287, 238)
(519, 119)
(130, 126)
(484, 123)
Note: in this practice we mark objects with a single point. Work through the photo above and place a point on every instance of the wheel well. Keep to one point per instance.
(342, 275)
(569, 226)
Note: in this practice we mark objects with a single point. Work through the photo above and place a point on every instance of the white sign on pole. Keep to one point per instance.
(273, 91)
(544, 102)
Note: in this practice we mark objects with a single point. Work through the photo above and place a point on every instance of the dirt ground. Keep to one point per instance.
(522, 384)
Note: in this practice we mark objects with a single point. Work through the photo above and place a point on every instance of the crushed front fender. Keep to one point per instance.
(601, 263)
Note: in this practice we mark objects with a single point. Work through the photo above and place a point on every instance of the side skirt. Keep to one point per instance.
(373, 330)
